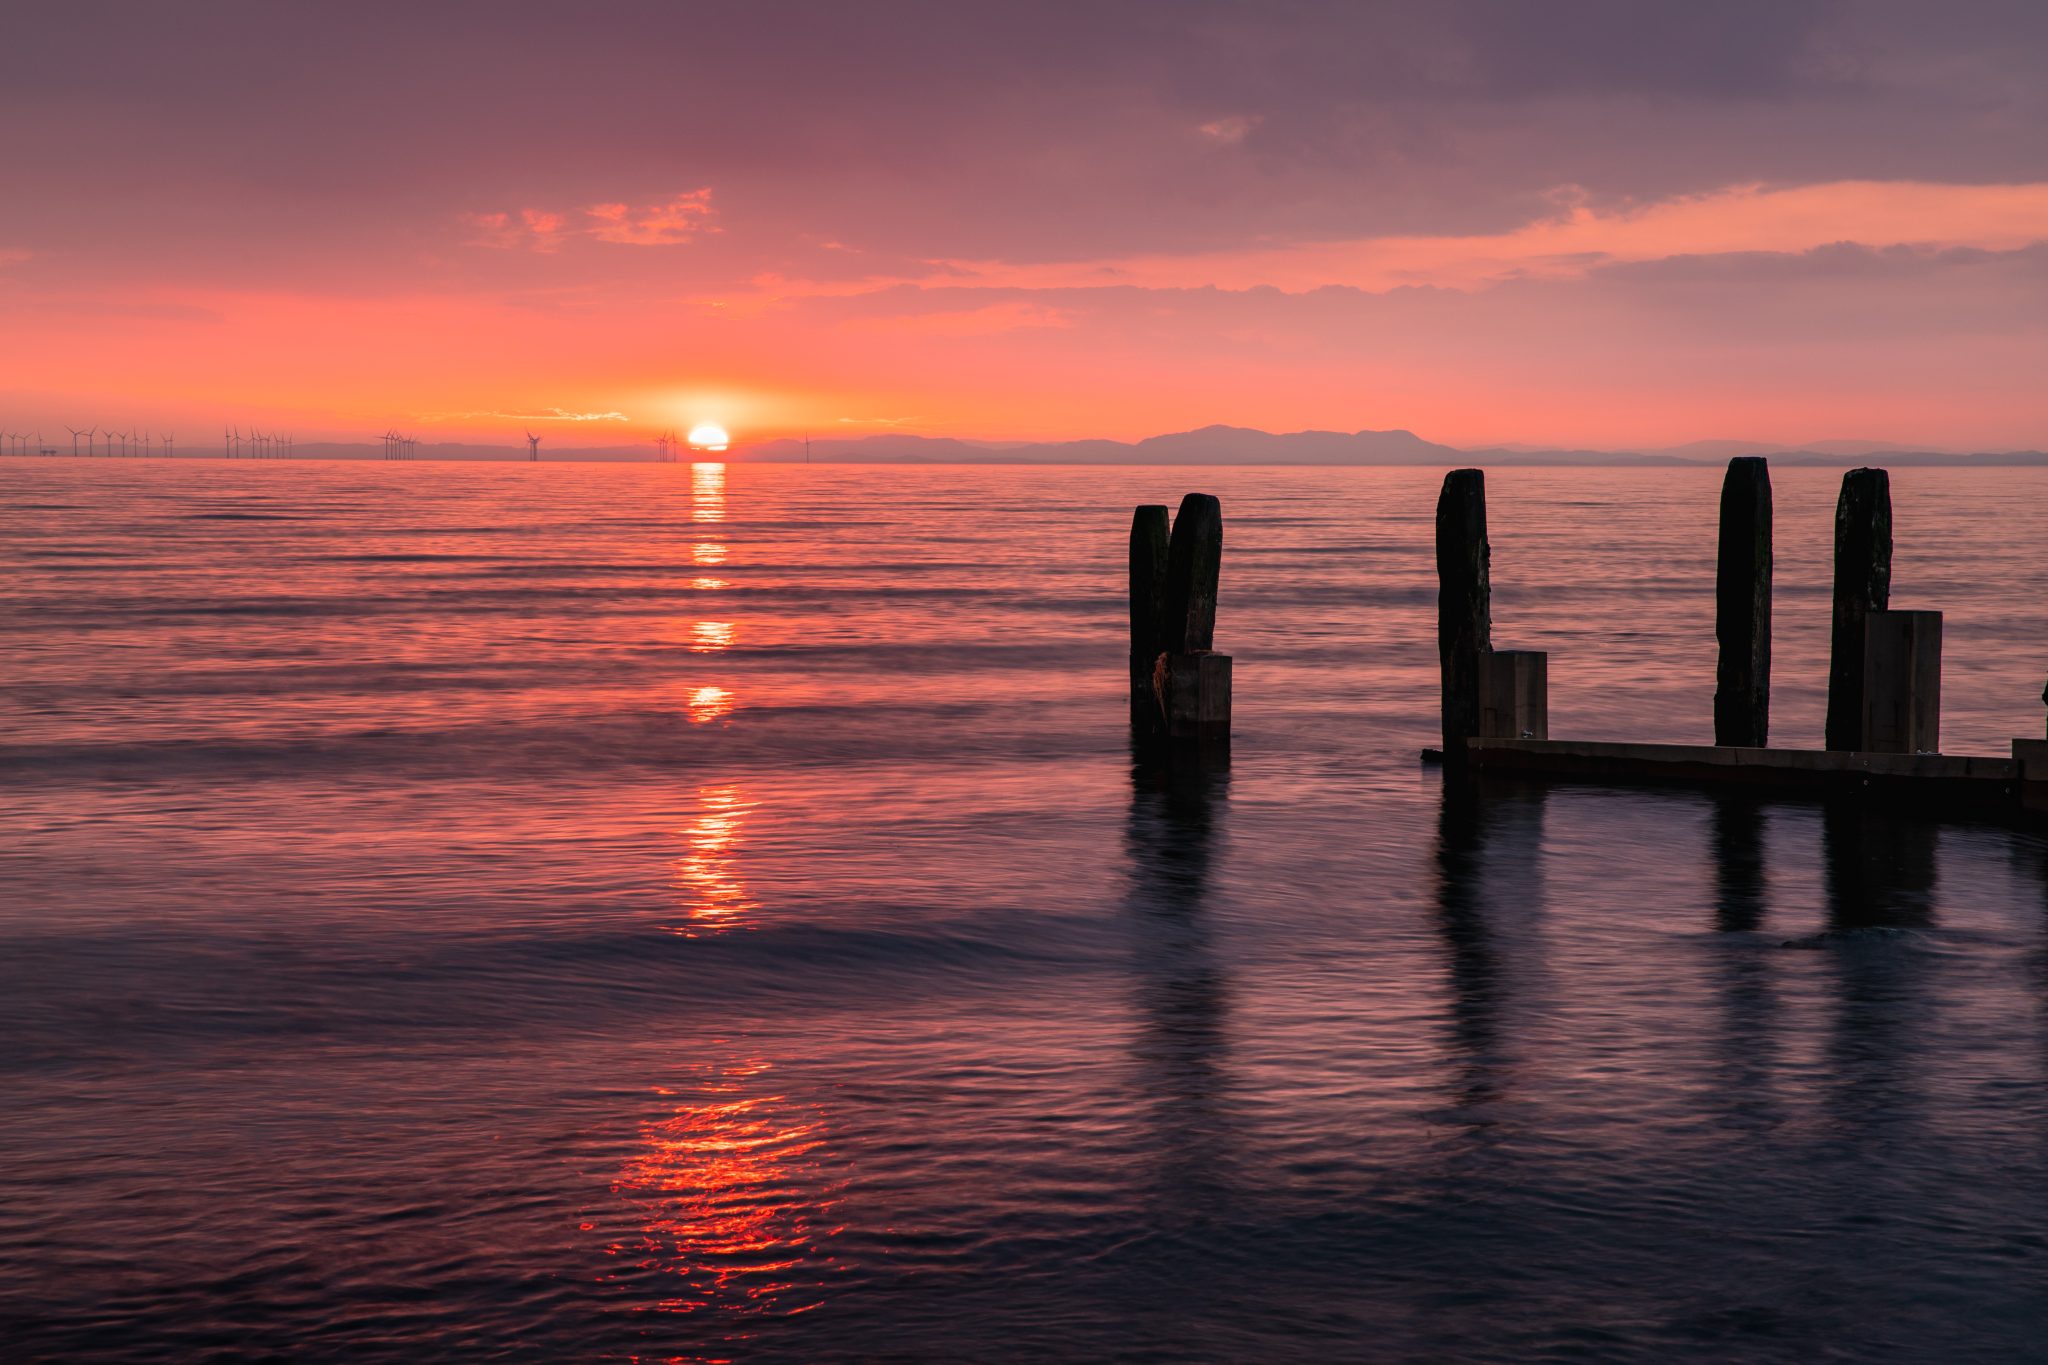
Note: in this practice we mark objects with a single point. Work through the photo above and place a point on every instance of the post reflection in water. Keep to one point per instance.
(1489, 865)
(1880, 867)
(707, 877)
(731, 1207)
(1737, 853)
(1183, 995)
(1745, 1043)
(1880, 875)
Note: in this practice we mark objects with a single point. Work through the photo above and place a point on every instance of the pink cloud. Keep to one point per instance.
(1579, 238)
(495, 230)
(666, 224)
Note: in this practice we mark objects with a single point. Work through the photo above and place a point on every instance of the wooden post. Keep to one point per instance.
(1514, 694)
(1742, 606)
(1464, 603)
(1148, 613)
(1902, 682)
(1193, 680)
(1194, 562)
(1863, 584)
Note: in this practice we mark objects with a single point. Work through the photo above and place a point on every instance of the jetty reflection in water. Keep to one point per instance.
(1489, 865)
(1874, 866)
(1182, 1038)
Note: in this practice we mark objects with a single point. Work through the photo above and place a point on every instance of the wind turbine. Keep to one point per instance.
(532, 446)
(75, 434)
(170, 446)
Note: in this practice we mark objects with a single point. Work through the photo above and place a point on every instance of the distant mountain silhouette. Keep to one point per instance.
(1213, 445)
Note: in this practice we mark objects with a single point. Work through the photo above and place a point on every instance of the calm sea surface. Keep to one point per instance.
(710, 913)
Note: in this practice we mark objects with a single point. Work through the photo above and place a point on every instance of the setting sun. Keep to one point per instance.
(708, 436)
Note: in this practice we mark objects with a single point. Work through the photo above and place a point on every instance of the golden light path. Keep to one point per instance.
(707, 875)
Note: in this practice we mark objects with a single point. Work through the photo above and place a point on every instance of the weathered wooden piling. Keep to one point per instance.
(1464, 603)
(1149, 536)
(1863, 584)
(1742, 606)
(1902, 682)
(1180, 687)
(1194, 564)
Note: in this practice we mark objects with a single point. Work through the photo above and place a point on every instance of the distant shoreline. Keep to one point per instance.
(1214, 446)
(2026, 459)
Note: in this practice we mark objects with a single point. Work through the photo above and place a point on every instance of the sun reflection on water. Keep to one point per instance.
(707, 492)
(708, 637)
(707, 876)
(730, 1203)
(706, 704)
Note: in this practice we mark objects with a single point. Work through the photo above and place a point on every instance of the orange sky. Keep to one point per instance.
(1786, 232)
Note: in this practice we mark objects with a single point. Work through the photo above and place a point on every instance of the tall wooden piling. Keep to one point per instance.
(1194, 563)
(1742, 606)
(1180, 686)
(1863, 584)
(1464, 603)
(1148, 613)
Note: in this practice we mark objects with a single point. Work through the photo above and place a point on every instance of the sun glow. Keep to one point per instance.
(709, 436)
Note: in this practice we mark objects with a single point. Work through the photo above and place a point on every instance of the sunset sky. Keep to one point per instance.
(1600, 222)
